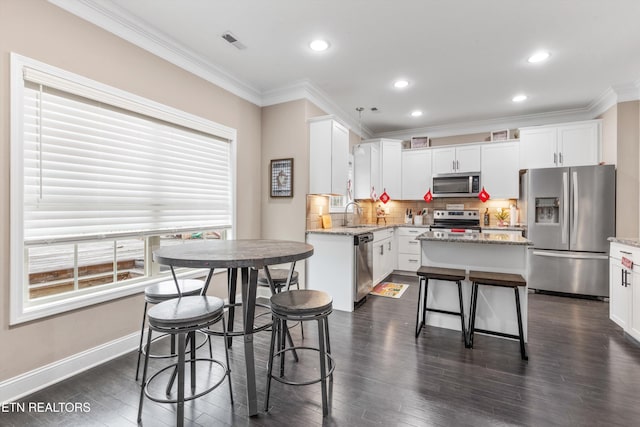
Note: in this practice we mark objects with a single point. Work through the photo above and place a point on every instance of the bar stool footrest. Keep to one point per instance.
(329, 374)
(194, 396)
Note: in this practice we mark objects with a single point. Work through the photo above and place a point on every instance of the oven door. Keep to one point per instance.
(456, 185)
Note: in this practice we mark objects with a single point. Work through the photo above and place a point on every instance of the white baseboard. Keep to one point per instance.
(37, 379)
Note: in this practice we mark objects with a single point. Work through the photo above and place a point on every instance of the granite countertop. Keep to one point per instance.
(517, 227)
(486, 238)
(362, 228)
(626, 241)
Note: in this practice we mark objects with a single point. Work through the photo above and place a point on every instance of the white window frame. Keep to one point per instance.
(20, 308)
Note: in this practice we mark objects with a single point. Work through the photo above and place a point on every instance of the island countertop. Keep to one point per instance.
(486, 238)
(629, 241)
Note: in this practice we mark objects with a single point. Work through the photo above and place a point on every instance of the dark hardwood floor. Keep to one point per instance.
(582, 371)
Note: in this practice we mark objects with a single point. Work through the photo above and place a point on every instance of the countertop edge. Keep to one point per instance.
(629, 241)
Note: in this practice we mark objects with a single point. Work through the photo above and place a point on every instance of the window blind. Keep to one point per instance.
(94, 170)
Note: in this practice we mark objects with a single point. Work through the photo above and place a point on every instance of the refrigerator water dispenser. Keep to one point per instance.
(547, 210)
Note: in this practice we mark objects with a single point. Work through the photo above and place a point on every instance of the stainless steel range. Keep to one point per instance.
(467, 220)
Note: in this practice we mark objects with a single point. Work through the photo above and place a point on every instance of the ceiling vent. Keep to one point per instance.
(233, 40)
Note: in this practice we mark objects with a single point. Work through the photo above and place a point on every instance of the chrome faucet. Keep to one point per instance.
(357, 211)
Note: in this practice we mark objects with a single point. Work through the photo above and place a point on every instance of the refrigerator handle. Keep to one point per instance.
(565, 207)
(574, 203)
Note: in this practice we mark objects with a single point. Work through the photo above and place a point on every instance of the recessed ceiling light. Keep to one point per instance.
(319, 45)
(539, 57)
(399, 84)
(519, 98)
(416, 113)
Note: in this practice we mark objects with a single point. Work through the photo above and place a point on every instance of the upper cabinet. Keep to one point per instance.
(465, 158)
(568, 144)
(500, 173)
(329, 156)
(416, 173)
(377, 167)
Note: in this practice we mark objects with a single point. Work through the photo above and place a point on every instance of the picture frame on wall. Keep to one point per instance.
(500, 135)
(281, 178)
(420, 142)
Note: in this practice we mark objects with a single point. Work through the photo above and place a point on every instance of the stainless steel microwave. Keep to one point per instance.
(456, 184)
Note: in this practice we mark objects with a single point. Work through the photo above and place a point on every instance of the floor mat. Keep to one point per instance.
(389, 289)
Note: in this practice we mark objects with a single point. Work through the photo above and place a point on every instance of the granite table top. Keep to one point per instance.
(232, 253)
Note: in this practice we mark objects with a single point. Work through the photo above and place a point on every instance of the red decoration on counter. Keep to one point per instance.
(428, 197)
(627, 263)
(384, 197)
(484, 196)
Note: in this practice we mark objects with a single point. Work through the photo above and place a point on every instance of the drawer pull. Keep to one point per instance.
(625, 252)
(413, 260)
(413, 242)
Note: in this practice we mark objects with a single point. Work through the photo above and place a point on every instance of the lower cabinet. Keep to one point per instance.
(409, 248)
(384, 254)
(624, 288)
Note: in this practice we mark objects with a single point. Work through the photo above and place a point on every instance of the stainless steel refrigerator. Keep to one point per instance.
(570, 214)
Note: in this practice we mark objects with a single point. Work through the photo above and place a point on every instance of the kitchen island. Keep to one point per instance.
(505, 253)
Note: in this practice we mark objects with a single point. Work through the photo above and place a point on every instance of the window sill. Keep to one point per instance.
(41, 310)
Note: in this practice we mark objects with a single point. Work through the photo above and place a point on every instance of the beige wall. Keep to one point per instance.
(628, 176)
(39, 30)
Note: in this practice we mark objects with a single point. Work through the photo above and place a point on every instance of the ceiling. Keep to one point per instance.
(465, 60)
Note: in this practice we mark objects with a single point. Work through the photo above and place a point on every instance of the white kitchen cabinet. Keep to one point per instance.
(331, 268)
(378, 166)
(409, 248)
(618, 294)
(624, 288)
(633, 278)
(416, 173)
(383, 254)
(500, 170)
(568, 144)
(464, 158)
(329, 156)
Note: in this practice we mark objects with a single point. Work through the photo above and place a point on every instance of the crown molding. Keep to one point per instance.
(304, 89)
(628, 91)
(117, 21)
(479, 126)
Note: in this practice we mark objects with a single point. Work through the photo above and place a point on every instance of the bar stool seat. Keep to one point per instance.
(183, 317)
(505, 280)
(278, 277)
(160, 292)
(454, 275)
(301, 305)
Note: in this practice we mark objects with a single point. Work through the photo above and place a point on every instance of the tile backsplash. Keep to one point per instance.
(396, 209)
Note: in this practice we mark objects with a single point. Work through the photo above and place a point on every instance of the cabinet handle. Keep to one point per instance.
(555, 158)
(453, 165)
(413, 231)
(413, 242)
(389, 246)
(621, 277)
(560, 157)
(381, 249)
(413, 260)
(625, 252)
(458, 164)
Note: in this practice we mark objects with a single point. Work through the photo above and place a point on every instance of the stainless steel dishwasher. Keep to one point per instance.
(363, 255)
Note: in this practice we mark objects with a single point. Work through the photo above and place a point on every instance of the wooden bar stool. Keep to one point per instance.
(160, 292)
(301, 306)
(444, 274)
(505, 280)
(183, 317)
